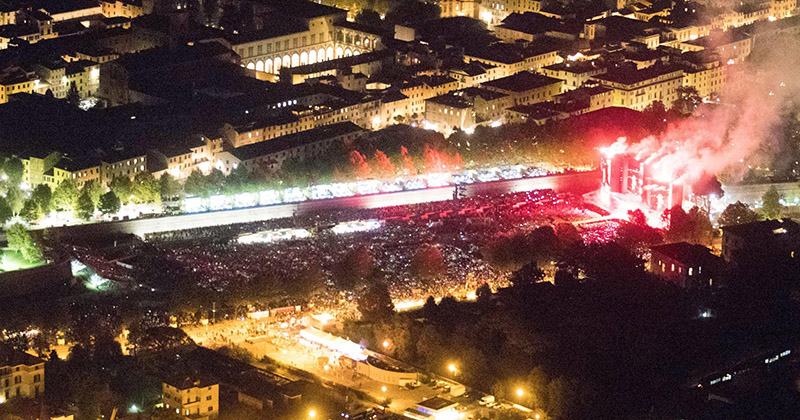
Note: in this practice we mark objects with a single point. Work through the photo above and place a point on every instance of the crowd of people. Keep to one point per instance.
(310, 270)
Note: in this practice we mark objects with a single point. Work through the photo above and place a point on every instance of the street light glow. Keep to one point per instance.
(451, 368)
(520, 392)
(385, 343)
(312, 413)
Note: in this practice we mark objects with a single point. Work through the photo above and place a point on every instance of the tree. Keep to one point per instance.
(568, 234)
(772, 207)
(237, 352)
(30, 211)
(483, 293)
(737, 213)
(382, 167)
(370, 18)
(375, 303)
(688, 100)
(169, 186)
(543, 245)
(5, 211)
(411, 11)
(354, 268)
(43, 196)
(429, 309)
(15, 199)
(65, 197)
(31, 251)
(211, 11)
(14, 170)
(694, 226)
(85, 207)
(20, 240)
(236, 182)
(636, 235)
(428, 263)
(122, 186)
(195, 184)
(94, 189)
(146, 188)
(358, 165)
(73, 97)
(528, 274)
(158, 338)
(16, 236)
(109, 203)
(214, 181)
(409, 168)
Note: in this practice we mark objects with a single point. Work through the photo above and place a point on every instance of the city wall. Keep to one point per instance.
(579, 182)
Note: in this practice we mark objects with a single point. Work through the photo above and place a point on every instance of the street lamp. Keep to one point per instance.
(383, 388)
(520, 392)
(312, 414)
(386, 344)
(452, 368)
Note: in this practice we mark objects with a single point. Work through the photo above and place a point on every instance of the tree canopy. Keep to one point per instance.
(771, 207)
(736, 214)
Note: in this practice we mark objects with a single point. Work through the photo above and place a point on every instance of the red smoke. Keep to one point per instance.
(722, 139)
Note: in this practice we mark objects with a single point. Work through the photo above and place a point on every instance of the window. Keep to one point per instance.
(208, 398)
(210, 408)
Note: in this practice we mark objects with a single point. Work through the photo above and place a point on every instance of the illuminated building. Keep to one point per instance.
(526, 87)
(574, 73)
(112, 165)
(181, 158)
(59, 76)
(687, 265)
(269, 155)
(15, 80)
(576, 102)
(490, 12)
(637, 89)
(119, 8)
(473, 74)
(731, 47)
(464, 109)
(191, 398)
(21, 375)
(706, 75)
(456, 8)
(296, 33)
(30, 25)
(681, 33)
(44, 169)
(779, 238)
(537, 27)
(511, 59)
(366, 64)
(623, 173)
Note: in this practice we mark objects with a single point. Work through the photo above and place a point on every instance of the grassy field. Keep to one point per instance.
(12, 261)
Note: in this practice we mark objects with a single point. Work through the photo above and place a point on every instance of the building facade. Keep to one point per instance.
(21, 375)
(192, 399)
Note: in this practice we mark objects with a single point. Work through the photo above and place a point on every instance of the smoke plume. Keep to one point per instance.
(742, 131)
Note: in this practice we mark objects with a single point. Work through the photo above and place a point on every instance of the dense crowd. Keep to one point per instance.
(309, 268)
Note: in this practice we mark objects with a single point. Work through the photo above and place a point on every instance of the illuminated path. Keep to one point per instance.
(577, 182)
